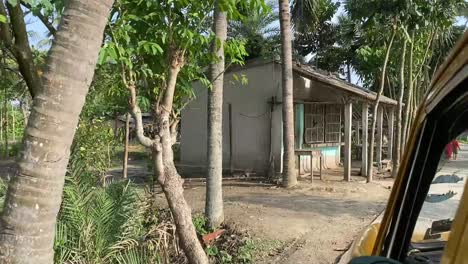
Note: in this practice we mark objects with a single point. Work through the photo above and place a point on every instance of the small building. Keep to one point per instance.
(252, 121)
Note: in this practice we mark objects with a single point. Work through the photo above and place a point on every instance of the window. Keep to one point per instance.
(333, 123)
(441, 203)
(314, 123)
(322, 123)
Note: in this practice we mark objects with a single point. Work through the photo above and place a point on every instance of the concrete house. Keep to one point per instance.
(252, 121)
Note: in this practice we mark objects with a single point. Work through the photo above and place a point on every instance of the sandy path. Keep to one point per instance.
(315, 222)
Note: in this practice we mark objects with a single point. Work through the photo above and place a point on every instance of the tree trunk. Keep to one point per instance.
(116, 125)
(289, 164)
(214, 182)
(127, 135)
(172, 185)
(408, 96)
(376, 106)
(5, 112)
(13, 125)
(27, 224)
(397, 149)
(165, 171)
(22, 50)
(24, 107)
(1, 126)
(348, 72)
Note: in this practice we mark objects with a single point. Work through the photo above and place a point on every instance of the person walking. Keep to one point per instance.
(449, 150)
(455, 147)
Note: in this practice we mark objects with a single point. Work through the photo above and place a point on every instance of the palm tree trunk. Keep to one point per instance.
(408, 97)
(27, 224)
(289, 164)
(397, 149)
(376, 106)
(127, 135)
(214, 182)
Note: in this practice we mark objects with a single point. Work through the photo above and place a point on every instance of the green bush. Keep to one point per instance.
(200, 223)
(112, 223)
(94, 145)
(100, 225)
(14, 149)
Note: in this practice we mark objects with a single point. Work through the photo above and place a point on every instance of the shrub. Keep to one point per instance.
(100, 225)
(93, 146)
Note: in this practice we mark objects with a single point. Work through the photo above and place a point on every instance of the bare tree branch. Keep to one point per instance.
(44, 19)
(137, 117)
(176, 58)
(22, 50)
(5, 34)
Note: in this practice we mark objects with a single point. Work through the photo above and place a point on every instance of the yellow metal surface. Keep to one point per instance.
(364, 245)
(441, 85)
(456, 251)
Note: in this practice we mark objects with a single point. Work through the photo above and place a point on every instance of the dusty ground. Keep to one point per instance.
(313, 223)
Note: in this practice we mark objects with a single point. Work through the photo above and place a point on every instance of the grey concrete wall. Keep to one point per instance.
(251, 114)
(253, 133)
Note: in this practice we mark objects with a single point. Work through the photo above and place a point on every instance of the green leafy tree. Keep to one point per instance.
(314, 32)
(161, 48)
(257, 29)
(158, 48)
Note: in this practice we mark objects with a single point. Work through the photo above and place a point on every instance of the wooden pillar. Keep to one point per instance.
(127, 137)
(379, 137)
(365, 140)
(391, 131)
(348, 117)
(358, 135)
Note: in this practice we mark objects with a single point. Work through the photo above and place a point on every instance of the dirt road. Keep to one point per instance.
(313, 223)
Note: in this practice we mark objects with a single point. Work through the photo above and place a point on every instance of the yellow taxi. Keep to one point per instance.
(426, 218)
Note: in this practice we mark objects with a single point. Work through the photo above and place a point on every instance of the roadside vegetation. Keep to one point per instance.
(68, 116)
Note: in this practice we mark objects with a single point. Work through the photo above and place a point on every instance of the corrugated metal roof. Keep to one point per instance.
(336, 82)
(323, 77)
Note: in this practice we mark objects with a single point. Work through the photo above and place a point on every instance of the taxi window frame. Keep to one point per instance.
(441, 125)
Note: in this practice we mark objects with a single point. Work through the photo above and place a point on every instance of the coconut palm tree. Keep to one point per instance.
(289, 166)
(27, 223)
(214, 189)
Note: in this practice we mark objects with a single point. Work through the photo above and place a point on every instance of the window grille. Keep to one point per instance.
(314, 123)
(333, 123)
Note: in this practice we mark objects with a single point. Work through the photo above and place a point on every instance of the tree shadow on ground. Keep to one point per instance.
(313, 204)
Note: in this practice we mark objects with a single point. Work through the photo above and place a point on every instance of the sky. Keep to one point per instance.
(33, 24)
